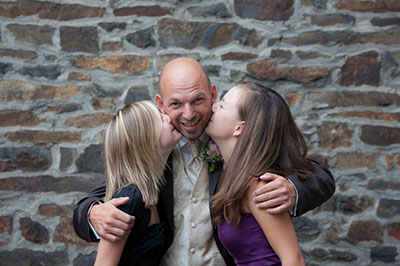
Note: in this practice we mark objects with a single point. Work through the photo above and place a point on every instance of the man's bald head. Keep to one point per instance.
(186, 95)
(181, 68)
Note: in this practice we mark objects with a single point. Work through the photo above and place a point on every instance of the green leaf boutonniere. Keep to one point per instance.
(212, 154)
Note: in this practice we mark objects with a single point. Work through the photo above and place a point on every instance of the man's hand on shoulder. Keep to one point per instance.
(277, 196)
(109, 222)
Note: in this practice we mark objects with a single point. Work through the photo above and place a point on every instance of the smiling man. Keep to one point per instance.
(187, 95)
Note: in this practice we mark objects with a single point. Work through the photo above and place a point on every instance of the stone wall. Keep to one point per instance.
(67, 66)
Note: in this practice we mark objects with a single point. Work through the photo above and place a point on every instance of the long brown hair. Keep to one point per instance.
(131, 151)
(270, 142)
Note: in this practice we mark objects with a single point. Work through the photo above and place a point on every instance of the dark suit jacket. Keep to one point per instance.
(312, 193)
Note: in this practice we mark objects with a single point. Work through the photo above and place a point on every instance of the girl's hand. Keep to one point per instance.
(169, 136)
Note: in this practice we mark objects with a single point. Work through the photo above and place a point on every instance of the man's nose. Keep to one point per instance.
(188, 113)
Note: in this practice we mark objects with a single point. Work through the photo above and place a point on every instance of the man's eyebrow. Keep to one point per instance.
(200, 94)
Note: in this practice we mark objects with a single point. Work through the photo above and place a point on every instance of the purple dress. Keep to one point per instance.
(247, 243)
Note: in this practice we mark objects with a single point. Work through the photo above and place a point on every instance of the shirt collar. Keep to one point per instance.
(203, 138)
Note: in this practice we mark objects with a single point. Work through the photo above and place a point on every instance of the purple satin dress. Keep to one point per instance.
(247, 243)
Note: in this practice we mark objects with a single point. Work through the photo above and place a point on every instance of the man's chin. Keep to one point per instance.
(191, 136)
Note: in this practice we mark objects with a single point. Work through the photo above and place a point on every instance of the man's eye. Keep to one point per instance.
(199, 100)
(174, 104)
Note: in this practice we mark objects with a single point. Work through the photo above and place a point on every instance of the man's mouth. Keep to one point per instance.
(193, 124)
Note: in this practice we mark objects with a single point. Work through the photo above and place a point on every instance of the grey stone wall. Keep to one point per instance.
(67, 66)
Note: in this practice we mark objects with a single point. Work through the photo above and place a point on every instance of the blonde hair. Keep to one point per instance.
(131, 151)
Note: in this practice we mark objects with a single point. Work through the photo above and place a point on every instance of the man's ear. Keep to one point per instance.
(238, 129)
(160, 103)
(214, 94)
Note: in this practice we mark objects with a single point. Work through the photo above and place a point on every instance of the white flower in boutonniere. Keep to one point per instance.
(211, 154)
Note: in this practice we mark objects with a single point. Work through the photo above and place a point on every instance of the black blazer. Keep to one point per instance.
(312, 193)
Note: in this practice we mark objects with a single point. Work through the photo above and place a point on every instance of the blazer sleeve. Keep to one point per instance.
(314, 191)
(80, 219)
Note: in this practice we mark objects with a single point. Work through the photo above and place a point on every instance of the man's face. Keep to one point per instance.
(188, 105)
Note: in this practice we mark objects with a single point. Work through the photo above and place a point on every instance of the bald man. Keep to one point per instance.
(187, 95)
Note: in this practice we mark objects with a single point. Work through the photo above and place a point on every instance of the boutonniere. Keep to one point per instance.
(212, 154)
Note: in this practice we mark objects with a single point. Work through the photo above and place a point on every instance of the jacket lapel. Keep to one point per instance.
(166, 194)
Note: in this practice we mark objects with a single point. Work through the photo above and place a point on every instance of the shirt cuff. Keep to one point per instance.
(293, 211)
(94, 231)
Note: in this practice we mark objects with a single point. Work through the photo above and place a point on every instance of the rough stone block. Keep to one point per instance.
(136, 94)
(385, 254)
(112, 46)
(394, 230)
(357, 160)
(361, 69)
(48, 72)
(89, 121)
(332, 234)
(275, 10)
(37, 35)
(48, 10)
(272, 72)
(10, 118)
(331, 255)
(64, 108)
(345, 37)
(142, 38)
(33, 257)
(49, 183)
(332, 136)
(51, 210)
(79, 39)
(383, 22)
(312, 55)
(388, 208)
(16, 90)
(370, 230)
(5, 68)
(279, 53)
(18, 54)
(369, 6)
(82, 259)
(34, 231)
(5, 224)
(354, 204)
(142, 11)
(238, 56)
(79, 76)
(332, 19)
(37, 136)
(379, 184)
(27, 159)
(217, 10)
(371, 115)
(65, 233)
(306, 229)
(190, 35)
(110, 26)
(91, 160)
(380, 135)
(356, 98)
(125, 63)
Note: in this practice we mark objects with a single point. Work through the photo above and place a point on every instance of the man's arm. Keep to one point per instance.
(108, 221)
(80, 218)
(314, 191)
(281, 194)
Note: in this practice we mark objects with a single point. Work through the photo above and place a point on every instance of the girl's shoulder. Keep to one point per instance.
(130, 191)
(135, 206)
